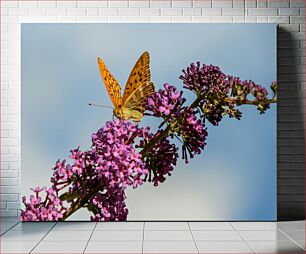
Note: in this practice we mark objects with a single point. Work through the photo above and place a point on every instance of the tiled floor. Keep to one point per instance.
(152, 237)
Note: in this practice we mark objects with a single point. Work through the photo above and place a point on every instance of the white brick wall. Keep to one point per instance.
(290, 14)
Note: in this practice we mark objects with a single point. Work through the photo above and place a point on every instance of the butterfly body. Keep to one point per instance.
(138, 88)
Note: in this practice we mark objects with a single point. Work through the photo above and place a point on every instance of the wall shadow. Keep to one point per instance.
(290, 130)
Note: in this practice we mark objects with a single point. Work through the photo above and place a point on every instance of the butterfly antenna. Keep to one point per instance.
(97, 105)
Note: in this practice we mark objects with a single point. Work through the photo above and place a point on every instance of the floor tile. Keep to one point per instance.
(9, 220)
(63, 226)
(166, 226)
(290, 225)
(5, 228)
(263, 235)
(119, 226)
(70, 236)
(301, 243)
(17, 247)
(23, 236)
(60, 247)
(216, 236)
(296, 235)
(2, 231)
(223, 247)
(98, 236)
(33, 226)
(114, 247)
(253, 226)
(210, 226)
(167, 236)
(169, 247)
(276, 247)
(273, 223)
(7, 225)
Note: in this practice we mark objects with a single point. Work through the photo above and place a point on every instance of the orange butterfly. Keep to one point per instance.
(138, 88)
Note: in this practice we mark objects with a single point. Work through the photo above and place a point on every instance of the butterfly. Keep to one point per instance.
(137, 89)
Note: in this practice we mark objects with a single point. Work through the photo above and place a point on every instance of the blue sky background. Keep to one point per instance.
(233, 179)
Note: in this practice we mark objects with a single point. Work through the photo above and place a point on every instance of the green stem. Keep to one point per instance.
(247, 102)
(171, 126)
(81, 202)
(166, 131)
(153, 142)
(71, 210)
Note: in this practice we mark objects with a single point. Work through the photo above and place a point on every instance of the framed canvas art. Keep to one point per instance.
(148, 122)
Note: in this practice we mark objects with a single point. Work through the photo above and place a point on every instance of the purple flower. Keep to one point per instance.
(109, 206)
(161, 159)
(193, 133)
(61, 171)
(201, 79)
(168, 103)
(165, 102)
(219, 94)
(49, 209)
(109, 167)
(115, 158)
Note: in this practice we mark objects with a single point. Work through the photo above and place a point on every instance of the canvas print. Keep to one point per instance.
(125, 122)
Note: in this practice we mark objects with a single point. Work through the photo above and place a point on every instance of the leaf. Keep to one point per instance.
(92, 208)
(69, 196)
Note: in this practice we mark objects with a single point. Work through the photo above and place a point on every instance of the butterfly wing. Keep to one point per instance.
(112, 86)
(138, 88)
(139, 75)
(134, 106)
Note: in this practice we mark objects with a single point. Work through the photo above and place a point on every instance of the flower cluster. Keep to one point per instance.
(219, 94)
(193, 133)
(165, 102)
(38, 209)
(115, 157)
(112, 158)
(108, 168)
(186, 122)
(161, 159)
(202, 79)
(109, 206)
